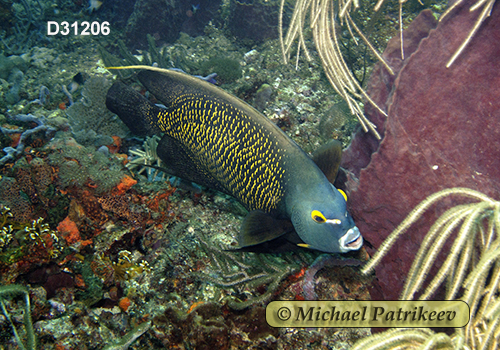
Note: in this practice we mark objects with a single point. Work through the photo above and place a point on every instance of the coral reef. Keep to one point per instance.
(79, 166)
(20, 144)
(25, 241)
(208, 324)
(176, 57)
(27, 188)
(92, 123)
(131, 270)
(26, 15)
(439, 133)
(249, 270)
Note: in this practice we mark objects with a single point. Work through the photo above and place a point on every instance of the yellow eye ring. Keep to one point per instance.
(318, 216)
(343, 194)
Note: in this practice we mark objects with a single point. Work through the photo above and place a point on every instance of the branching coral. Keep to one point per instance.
(472, 266)
(321, 15)
(325, 21)
(243, 269)
(144, 159)
(12, 153)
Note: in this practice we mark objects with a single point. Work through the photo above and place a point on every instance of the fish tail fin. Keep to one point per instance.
(140, 115)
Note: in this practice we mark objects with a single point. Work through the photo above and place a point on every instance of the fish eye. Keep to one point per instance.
(343, 194)
(318, 216)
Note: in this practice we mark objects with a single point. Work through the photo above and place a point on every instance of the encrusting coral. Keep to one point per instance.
(80, 165)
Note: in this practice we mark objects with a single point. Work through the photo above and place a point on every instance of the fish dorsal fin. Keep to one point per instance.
(327, 158)
(166, 86)
(259, 227)
(179, 163)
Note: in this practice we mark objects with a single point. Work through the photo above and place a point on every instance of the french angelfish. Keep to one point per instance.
(214, 139)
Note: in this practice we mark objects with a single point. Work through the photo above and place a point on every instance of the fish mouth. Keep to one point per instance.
(356, 244)
(351, 240)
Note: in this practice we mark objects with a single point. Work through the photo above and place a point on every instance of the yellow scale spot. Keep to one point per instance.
(228, 146)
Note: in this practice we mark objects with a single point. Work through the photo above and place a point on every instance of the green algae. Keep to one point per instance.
(227, 69)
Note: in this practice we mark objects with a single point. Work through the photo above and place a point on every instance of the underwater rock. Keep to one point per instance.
(441, 132)
(8, 64)
(165, 20)
(15, 82)
(262, 97)
(254, 21)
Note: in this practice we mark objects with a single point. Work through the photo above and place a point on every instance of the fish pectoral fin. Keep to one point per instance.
(259, 227)
(177, 162)
(327, 158)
